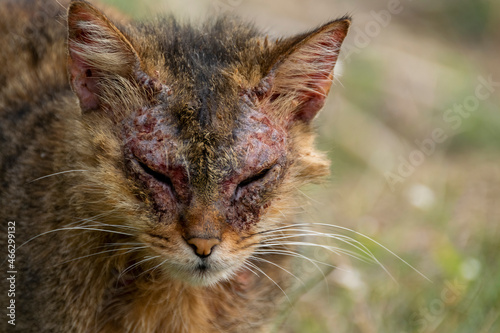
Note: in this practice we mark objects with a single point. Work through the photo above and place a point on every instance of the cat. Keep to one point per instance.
(149, 170)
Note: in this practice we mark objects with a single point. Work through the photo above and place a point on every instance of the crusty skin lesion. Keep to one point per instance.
(151, 134)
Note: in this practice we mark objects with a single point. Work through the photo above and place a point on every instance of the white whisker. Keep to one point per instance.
(246, 266)
(333, 249)
(73, 228)
(102, 252)
(294, 254)
(276, 265)
(89, 219)
(147, 258)
(342, 238)
(275, 283)
(153, 268)
(55, 174)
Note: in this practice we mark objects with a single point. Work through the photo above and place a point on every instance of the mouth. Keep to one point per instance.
(203, 267)
(204, 273)
(192, 269)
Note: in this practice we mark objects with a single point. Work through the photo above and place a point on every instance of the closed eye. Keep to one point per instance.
(258, 176)
(157, 175)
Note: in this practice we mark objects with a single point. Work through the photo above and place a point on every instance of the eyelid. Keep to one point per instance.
(256, 177)
(164, 179)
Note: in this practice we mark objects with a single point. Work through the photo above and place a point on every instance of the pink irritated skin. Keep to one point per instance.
(150, 140)
(263, 143)
(260, 144)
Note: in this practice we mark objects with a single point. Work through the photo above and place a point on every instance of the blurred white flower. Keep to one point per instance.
(421, 196)
(349, 278)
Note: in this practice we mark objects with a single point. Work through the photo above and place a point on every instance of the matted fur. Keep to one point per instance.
(219, 109)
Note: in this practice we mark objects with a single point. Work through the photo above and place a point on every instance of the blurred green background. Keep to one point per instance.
(413, 129)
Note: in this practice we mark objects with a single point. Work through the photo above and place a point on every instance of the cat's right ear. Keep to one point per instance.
(97, 49)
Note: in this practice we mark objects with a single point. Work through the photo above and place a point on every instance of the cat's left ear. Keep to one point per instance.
(97, 51)
(301, 77)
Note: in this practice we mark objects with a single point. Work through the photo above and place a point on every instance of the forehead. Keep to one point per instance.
(210, 154)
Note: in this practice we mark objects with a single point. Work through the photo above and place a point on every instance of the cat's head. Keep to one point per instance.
(198, 137)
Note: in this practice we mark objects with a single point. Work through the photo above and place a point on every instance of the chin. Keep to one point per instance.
(201, 274)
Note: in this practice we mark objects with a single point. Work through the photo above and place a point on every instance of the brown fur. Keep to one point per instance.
(172, 133)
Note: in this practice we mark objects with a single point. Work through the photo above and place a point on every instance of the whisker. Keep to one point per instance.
(101, 224)
(287, 227)
(120, 244)
(147, 258)
(89, 219)
(378, 244)
(246, 266)
(342, 238)
(299, 255)
(296, 255)
(333, 249)
(73, 228)
(153, 268)
(276, 265)
(345, 239)
(277, 285)
(55, 174)
(102, 252)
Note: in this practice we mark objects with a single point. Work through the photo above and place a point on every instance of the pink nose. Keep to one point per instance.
(203, 247)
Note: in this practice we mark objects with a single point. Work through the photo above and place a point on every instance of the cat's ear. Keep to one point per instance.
(97, 49)
(302, 76)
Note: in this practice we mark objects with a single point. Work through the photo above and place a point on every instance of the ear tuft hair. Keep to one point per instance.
(97, 49)
(302, 76)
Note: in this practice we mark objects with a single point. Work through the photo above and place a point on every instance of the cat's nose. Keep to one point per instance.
(203, 246)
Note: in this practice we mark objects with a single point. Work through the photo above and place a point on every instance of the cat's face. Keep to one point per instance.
(207, 198)
(213, 133)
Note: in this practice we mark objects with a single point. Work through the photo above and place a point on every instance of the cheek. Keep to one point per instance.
(248, 212)
(250, 204)
(233, 252)
(163, 239)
